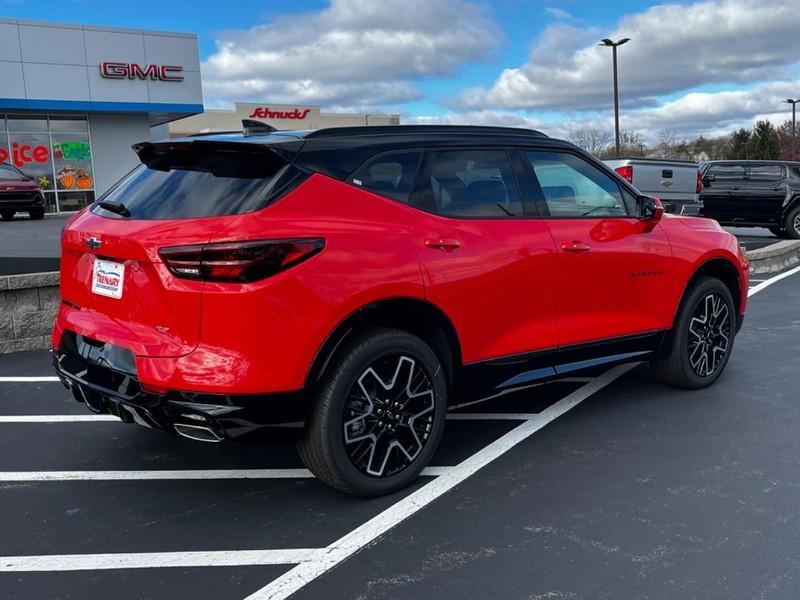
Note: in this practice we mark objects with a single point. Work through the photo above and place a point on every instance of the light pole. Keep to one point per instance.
(613, 46)
(794, 126)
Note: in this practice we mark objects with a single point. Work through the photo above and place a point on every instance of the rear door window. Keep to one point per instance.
(391, 175)
(766, 173)
(187, 182)
(471, 184)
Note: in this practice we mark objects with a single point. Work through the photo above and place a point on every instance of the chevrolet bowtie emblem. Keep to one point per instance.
(94, 243)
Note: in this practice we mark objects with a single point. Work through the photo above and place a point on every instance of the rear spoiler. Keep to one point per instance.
(201, 152)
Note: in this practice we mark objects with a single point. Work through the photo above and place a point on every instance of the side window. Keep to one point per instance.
(574, 188)
(726, 174)
(390, 175)
(766, 173)
(472, 184)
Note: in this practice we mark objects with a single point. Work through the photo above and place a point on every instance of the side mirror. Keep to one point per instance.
(650, 209)
(707, 179)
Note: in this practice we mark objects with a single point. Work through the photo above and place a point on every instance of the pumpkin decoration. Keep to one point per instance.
(83, 181)
(67, 178)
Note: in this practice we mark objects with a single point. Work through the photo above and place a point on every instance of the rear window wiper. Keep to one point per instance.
(115, 208)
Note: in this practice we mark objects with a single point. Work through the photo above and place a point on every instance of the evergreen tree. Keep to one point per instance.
(738, 145)
(764, 142)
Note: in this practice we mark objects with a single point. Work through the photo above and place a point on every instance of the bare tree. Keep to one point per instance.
(631, 143)
(667, 140)
(591, 139)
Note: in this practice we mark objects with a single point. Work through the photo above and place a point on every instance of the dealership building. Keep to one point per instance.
(280, 116)
(74, 98)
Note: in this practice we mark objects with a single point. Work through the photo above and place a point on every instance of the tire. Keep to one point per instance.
(384, 453)
(36, 215)
(7, 215)
(792, 224)
(688, 363)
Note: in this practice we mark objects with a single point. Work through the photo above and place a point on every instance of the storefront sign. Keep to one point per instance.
(21, 155)
(263, 112)
(120, 70)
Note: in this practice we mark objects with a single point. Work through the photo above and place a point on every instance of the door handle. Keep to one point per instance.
(443, 244)
(575, 247)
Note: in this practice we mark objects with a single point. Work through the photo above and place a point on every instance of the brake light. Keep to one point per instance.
(626, 172)
(699, 187)
(238, 261)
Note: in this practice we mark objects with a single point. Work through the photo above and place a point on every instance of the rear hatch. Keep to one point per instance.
(114, 285)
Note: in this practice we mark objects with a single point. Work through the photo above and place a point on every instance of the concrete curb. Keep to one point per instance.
(775, 257)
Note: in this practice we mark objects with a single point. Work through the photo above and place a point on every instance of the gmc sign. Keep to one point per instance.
(120, 70)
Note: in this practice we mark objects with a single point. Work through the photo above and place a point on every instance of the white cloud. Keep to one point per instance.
(353, 53)
(693, 114)
(673, 47)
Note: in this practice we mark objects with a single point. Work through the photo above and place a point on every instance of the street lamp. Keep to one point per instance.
(794, 127)
(613, 46)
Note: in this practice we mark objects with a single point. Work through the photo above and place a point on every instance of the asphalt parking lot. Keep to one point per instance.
(608, 486)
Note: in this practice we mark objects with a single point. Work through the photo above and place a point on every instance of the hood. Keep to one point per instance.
(695, 222)
(15, 185)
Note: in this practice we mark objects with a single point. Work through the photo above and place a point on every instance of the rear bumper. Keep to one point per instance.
(104, 377)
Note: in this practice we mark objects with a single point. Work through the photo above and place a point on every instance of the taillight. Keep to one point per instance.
(238, 261)
(625, 172)
(699, 187)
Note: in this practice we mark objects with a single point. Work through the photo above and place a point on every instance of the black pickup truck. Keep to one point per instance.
(753, 193)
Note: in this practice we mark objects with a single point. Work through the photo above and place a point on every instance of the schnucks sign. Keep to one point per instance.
(121, 70)
(263, 112)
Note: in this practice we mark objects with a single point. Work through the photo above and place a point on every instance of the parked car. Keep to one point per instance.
(752, 193)
(359, 279)
(19, 193)
(675, 182)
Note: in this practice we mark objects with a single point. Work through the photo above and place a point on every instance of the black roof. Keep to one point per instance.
(372, 133)
(424, 131)
(338, 151)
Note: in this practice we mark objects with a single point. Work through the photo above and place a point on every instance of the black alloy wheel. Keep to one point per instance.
(378, 415)
(700, 344)
(388, 416)
(709, 334)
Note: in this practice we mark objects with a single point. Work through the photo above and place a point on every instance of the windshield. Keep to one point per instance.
(8, 172)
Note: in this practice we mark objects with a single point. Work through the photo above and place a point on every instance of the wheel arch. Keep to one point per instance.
(724, 270)
(416, 316)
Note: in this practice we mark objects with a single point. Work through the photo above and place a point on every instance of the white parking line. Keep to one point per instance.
(491, 416)
(304, 573)
(765, 284)
(157, 475)
(149, 560)
(5, 379)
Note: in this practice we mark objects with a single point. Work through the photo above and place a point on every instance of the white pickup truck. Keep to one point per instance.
(676, 183)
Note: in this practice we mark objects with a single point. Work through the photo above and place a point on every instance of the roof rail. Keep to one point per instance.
(417, 129)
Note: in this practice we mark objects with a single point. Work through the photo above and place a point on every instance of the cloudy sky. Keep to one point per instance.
(692, 67)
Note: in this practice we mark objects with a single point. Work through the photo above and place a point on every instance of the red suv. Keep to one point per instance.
(358, 280)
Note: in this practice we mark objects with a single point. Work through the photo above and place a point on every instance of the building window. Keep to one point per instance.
(56, 151)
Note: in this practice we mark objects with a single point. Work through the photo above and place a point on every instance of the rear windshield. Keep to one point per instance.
(186, 183)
